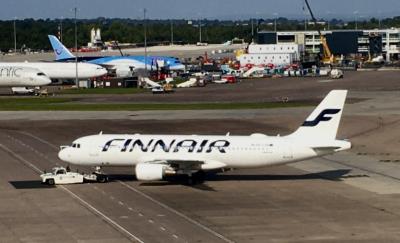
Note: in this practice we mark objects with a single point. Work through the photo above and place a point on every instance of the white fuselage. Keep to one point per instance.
(18, 76)
(213, 151)
(55, 70)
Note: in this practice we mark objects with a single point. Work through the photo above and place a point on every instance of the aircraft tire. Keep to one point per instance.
(50, 182)
(102, 178)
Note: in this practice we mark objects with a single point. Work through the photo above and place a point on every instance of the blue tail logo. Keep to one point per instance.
(323, 116)
(58, 52)
(59, 49)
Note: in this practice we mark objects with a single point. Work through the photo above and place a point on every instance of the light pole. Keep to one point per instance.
(252, 28)
(275, 14)
(172, 32)
(200, 30)
(379, 19)
(76, 50)
(329, 19)
(15, 35)
(356, 19)
(61, 28)
(145, 39)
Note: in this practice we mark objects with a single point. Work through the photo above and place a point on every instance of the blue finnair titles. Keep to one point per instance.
(118, 62)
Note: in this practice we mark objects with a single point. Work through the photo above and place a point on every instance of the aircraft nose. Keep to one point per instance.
(64, 154)
(178, 67)
(45, 81)
(101, 71)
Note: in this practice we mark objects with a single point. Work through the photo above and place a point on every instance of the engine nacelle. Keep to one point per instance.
(152, 172)
(124, 71)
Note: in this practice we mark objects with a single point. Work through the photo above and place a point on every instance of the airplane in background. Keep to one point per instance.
(124, 65)
(156, 157)
(55, 70)
(18, 76)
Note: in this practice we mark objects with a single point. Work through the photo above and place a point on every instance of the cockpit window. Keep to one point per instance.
(41, 74)
(76, 145)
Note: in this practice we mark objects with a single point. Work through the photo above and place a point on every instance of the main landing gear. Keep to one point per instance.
(196, 178)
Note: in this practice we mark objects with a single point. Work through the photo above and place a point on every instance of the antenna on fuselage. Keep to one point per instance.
(101, 133)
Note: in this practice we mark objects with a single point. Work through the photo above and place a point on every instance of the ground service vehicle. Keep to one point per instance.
(61, 176)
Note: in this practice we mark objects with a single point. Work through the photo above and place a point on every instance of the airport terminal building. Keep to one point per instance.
(384, 42)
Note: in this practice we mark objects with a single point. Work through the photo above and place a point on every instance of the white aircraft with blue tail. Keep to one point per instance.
(123, 65)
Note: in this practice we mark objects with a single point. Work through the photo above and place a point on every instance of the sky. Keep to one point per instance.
(195, 9)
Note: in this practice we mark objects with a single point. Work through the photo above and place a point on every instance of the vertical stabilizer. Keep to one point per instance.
(323, 123)
(60, 50)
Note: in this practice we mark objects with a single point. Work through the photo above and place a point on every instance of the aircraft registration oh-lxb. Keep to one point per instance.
(156, 157)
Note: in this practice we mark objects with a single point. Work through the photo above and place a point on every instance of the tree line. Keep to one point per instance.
(33, 33)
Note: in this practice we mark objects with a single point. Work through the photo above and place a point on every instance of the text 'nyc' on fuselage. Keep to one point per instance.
(153, 155)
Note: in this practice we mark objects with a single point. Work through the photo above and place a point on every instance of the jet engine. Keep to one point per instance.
(152, 172)
(124, 71)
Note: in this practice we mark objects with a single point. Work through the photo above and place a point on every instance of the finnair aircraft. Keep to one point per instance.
(17, 76)
(159, 156)
(122, 64)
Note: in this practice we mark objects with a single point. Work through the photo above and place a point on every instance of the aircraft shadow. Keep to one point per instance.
(335, 175)
(29, 185)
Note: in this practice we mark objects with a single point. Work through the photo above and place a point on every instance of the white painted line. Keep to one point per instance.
(162, 228)
(130, 209)
(112, 222)
(175, 236)
(325, 81)
(120, 203)
(178, 213)
(151, 199)
(86, 204)
(37, 138)
(27, 163)
(151, 221)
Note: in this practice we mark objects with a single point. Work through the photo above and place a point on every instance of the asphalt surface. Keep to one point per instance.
(278, 204)
(348, 197)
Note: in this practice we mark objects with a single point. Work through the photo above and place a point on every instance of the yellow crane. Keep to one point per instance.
(327, 56)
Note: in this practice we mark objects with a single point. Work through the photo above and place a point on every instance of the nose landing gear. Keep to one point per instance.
(101, 177)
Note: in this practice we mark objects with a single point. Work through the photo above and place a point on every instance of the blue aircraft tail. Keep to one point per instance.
(60, 50)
